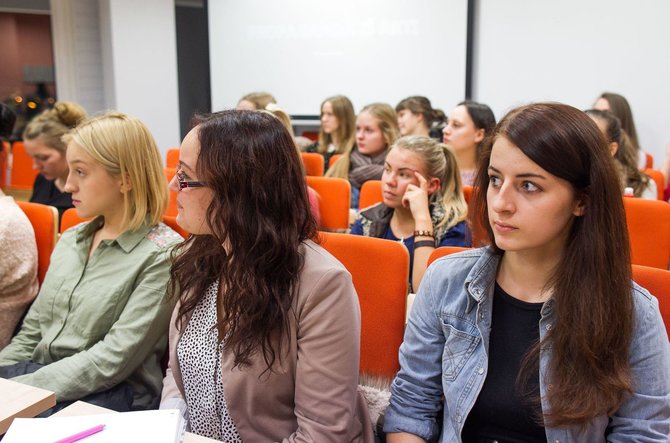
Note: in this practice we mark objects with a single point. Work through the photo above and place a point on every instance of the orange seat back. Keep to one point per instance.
(371, 193)
(333, 159)
(649, 161)
(659, 179)
(172, 195)
(656, 281)
(444, 250)
(379, 270)
(313, 163)
(70, 218)
(22, 172)
(334, 197)
(648, 224)
(172, 157)
(44, 220)
(4, 157)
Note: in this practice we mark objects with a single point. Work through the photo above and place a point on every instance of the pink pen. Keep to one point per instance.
(80, 435)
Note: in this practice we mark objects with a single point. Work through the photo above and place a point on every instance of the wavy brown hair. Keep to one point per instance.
(258, 218)
(592, 291)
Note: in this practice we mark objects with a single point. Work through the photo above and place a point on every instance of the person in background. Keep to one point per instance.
(264, 341)
(541, 336)
(43, 140)
(416, 116)
(18, 267)
(337, 133)
(376, 130)
(624, 155)
(423, 204)
(255, 101)
(97, 330)
(618, 105)
(468, 125)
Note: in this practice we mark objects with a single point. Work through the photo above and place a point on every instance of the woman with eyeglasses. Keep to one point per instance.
(97, 330)
(264, 341)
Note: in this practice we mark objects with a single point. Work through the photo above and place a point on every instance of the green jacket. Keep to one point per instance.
(98, 322)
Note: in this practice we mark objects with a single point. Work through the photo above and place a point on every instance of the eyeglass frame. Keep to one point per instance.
(183, 183)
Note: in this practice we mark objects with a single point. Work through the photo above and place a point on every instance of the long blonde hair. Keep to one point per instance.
(388, 123)
(345, 133)
(440, 163)
(125, 148)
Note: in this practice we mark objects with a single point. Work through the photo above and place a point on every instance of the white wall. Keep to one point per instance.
(140, 64)
(303, 51)
(571, 51)
(122, 55)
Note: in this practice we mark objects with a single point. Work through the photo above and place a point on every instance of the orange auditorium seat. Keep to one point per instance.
(656, 281)
(172, 157)
(379, 270)
(172, 201)
(648, 224)
(333, 159)
(313, 163)
(444, 250)
(334, 197)
(70, 218)
(371, 193)
(4, 156)
(44, 219)
(22, 172)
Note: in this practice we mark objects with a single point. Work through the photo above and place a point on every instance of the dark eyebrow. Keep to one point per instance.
(526, 175)
(183, 165)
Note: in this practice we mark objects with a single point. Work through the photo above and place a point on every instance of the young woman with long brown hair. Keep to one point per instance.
(264, 342)
(541, 336)
(337, 133)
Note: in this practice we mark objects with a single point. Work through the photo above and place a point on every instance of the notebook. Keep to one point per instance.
(160, 426)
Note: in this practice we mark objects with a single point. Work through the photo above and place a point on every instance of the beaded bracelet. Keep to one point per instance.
(424, 243)
(422, 233)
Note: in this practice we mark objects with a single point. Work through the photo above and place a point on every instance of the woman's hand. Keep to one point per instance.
(416, 200)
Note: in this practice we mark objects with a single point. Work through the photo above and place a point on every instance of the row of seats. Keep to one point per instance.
(379, 271)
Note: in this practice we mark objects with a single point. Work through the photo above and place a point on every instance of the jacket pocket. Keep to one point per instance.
(458, 348)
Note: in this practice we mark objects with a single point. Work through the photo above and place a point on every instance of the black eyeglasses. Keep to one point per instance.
(183, 183)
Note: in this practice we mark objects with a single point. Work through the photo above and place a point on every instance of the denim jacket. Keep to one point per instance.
(445, 355)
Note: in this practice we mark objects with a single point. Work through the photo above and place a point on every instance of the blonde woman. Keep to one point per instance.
(423, 204)
(42, 139)
(97, 329)
(376, 130)
(337, 134)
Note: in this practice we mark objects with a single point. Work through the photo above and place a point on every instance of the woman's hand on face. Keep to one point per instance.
(416, 198)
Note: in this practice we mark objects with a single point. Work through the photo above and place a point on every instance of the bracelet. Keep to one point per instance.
(423, 234)
(424, 243)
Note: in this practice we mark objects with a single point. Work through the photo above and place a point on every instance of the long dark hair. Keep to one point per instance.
(626, 155)
(590, 340)
(259, 216)
(619, 106)
(483, 118)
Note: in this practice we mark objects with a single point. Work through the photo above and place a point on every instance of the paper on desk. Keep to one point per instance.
(127, 427)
